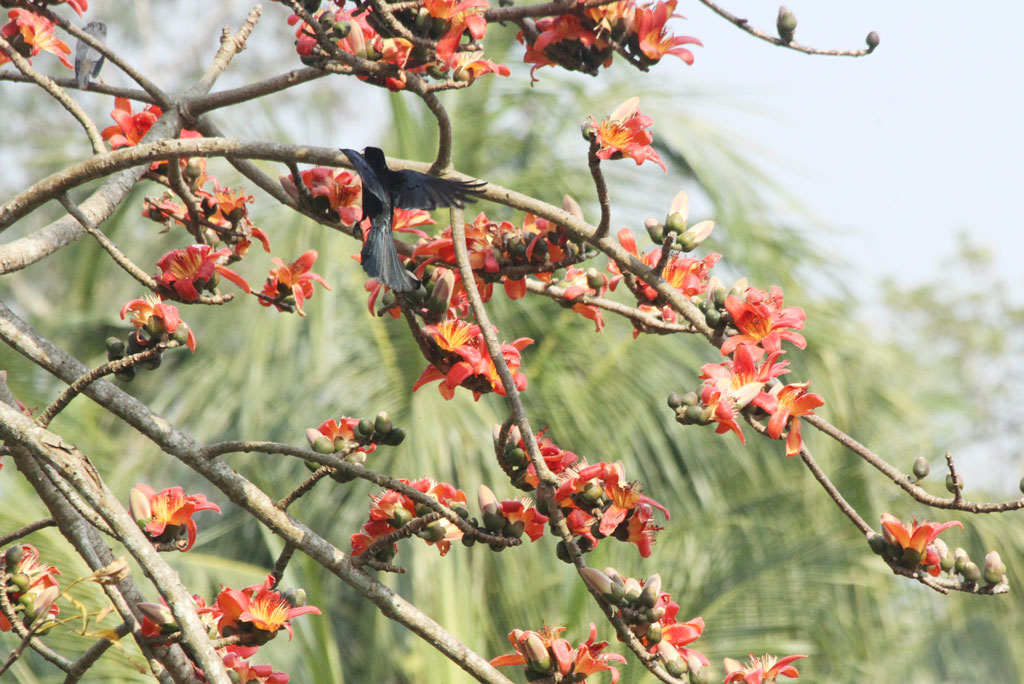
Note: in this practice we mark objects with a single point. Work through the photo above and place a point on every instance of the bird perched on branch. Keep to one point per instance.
(384, 191)
(88, 60)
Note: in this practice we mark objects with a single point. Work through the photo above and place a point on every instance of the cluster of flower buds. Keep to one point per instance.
(688, 238)
(351, 439)
(508, 519)
(991, 573)
(651, 616)
(31, 588)
(916, 545)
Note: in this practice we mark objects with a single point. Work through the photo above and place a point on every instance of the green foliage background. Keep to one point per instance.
(754, 546)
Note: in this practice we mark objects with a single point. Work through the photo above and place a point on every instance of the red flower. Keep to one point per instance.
(77, 5)
(294, 280)
(469, 66)
(764, 669)
(916, 542)
(189, 271)
(30, 33)
(461, 15)
(470, 359)
(247, 672)
(165, 516)
(545, 652)
(130, 128)
(332, 190)
(655, 41)
(157, 318)
(686, 274)
(787, 404)
(33, 580)
(624, 134)
(391, 510)
(340, 433)
(762, 320)
(258, 608)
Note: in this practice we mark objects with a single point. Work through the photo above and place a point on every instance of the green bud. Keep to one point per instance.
(959, 482)
(592, 493)
(632, 590)
(960, 559)
(432, 532)
(423, 509)
(562, 552)
(872, 41)
(654, 614)
(690, 399)
(786, 25)
(115, 348)
(515, 529)
(994, 570)
(720, 295)
(655, 229)
(125, 375)
(921, 468)
(713, 318)
(13, 556)
(595, 280)
(364, 428)
(394, 438)
(400, 517)
(516, 458)
(649, 595)
(972, 573)
(692, 414)
(598, 581)
(20, 581)
(153, 363)
(674, 401)
(876, 542)
(382, 425)
(653, 633)
(536, 653)
(341, 29)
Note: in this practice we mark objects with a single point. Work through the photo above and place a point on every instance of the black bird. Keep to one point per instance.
(88, 60)
(384, 191)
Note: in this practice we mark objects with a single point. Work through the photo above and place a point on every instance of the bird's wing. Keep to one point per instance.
(375, 197)
(415, 190)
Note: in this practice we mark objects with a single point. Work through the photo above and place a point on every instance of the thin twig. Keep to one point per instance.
(95, 652)
(775, 40)
(27, 530)
(601, 187)
(307, 485)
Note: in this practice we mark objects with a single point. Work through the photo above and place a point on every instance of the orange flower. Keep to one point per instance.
(765, 669)
(624, 134)
(762, 320)
(654, 41)
(333, 191)
(294, 280)
(164, 516)
(545, 652)
(157, 318)
(130, 128)
(188, 271)
(787, 404)
(29, 33)
(258, 609)
(916, 541)
(469, 66)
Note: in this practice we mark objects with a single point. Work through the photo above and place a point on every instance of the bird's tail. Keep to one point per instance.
(381, 261)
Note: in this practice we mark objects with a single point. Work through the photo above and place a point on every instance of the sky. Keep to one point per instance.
(899, 151)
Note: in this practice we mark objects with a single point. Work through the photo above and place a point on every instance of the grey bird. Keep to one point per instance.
(88, 60)
(384, 191)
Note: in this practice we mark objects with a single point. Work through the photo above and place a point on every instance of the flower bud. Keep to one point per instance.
(960, 559)
(571, 206)
(876, 542)
(693, 236)
(692, 414)
(674, 401)
(872, 41)
(654, 614)
(592, 493)
(394, 438)
(994, 570)
(972, 573)
(786, 24)
(945, 557)
(138, 502)
(653, 633)
(115, 348)
(649, 595)
(20, 581)
(632, 589)
(670, 658)
(382, 425)
(595, 280)
(536, 653)
(698, 673)
(950, 485)
(157, 613)
(400, 517)
(599, 582)
(655, 229)
(921, 468)
(319, 442)
(13, 556)
(364, 428)
(41, 604)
